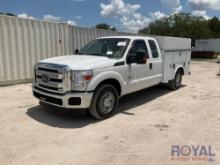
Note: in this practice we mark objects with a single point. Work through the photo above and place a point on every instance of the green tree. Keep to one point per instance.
(214, 25)
(183, 25)
(105, 26)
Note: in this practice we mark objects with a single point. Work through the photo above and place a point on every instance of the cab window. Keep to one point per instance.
(138, 45)
(153, 48)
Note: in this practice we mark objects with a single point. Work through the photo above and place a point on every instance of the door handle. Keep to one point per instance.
(151, 66)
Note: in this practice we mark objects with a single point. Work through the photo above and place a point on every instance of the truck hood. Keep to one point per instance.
(82, 62)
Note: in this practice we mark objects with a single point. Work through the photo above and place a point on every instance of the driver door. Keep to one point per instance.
(138, 73)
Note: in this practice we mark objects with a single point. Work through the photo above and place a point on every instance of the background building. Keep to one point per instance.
(23, 42)
(208, 45)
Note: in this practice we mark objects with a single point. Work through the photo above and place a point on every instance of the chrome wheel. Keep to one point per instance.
(107, 102)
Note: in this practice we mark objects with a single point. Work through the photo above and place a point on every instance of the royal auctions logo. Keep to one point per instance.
(202, 153)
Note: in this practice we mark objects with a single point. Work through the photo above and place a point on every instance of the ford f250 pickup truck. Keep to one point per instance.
(108, 68)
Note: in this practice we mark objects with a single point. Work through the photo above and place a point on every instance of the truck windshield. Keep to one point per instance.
(108, 47)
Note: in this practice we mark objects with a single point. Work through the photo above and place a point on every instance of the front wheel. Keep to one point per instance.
(177, 82)
(104, 103)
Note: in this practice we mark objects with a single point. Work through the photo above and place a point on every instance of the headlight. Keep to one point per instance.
(80, 79)
(34, 72)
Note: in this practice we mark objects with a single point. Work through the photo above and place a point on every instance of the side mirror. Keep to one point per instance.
(76, 51)
(141, 57)
(131, 59)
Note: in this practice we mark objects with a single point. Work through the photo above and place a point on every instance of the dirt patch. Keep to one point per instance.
(148, 124)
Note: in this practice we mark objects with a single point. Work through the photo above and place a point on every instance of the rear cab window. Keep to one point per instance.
(154, 49)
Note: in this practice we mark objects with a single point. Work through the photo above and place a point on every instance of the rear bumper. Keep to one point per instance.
(68, 100)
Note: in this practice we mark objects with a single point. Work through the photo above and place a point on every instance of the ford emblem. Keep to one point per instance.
(45, 78)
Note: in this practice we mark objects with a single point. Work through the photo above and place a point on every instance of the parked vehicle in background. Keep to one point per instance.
(218, 61)
(108, 68)
(207, 45)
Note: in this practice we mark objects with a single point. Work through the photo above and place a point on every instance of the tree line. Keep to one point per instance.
(105, 26)
(180, 25)
(184, 25)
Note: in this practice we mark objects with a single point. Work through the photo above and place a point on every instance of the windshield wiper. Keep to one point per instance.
(96, 54)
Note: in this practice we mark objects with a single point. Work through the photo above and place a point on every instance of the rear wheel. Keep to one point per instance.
(104, 103)
(177, 82)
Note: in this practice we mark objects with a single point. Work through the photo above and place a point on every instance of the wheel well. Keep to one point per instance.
(181, 70)
(113, 82)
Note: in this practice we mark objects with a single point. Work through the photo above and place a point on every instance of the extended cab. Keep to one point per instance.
(108, 68)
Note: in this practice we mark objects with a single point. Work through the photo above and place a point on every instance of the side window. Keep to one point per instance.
(153, 48)
(138, 45)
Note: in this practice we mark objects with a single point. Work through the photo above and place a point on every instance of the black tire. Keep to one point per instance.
(177, 82)
(104, 102)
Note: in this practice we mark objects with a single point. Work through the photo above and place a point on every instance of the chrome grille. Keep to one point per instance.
(53, 77)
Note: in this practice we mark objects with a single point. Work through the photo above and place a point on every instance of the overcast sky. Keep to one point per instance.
(125, 15)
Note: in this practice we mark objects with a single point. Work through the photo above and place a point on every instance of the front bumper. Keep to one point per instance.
(68, 100)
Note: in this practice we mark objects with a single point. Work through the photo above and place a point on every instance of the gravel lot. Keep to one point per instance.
(148, 124)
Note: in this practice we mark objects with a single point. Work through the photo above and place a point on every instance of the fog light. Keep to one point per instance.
(75, 101)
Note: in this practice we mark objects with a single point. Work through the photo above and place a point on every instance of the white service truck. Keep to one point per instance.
(108, 68)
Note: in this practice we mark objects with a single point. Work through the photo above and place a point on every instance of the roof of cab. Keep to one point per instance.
(128, 37)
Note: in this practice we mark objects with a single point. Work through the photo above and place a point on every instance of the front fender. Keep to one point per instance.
(105, 76)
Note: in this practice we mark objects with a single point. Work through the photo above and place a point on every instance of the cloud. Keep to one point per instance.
(134, 23)
(178, 9)
(52, 18)
(118, 8)
(204, 4)
(78, 17)
(173, 5)
(200, 13)
(129, 19)
(25, 15)
(157, 15)
(200, 7)
(71, 22)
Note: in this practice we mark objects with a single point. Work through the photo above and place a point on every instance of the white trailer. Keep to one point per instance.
(218, 62)
(208, 45)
